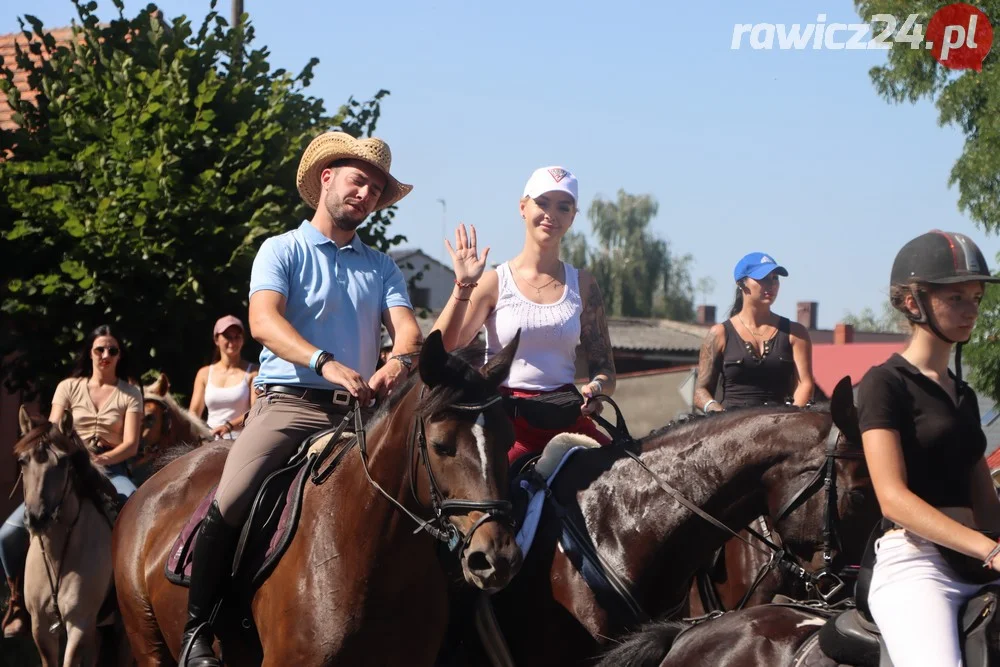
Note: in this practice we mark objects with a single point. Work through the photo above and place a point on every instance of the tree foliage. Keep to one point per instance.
(889, 320)
(635, 269)
(970, 101)
(140, 183)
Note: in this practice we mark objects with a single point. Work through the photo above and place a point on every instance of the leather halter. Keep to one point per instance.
(439, 525)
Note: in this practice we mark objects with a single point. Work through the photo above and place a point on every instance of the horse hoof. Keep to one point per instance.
(16, 628)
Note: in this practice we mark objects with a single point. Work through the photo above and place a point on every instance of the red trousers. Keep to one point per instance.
(530, 439)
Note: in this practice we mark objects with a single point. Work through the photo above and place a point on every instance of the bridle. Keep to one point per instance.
(55, 580)
(825, 478)
(439, 525)
(825, 583)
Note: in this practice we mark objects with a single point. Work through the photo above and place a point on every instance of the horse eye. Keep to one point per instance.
(442, 449)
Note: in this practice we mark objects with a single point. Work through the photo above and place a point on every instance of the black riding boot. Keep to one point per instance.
(211, 565)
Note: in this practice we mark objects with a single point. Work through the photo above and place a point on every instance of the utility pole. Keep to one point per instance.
(237, 24)
(237, 12)
(444, 229)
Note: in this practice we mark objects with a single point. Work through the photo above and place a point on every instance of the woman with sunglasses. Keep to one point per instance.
(761, 357)
(107, 415)
(224, 385)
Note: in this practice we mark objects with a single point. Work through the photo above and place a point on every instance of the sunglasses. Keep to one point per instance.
(100, 350)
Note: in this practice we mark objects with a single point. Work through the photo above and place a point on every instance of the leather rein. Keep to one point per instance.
(826, 583)
(439, 525)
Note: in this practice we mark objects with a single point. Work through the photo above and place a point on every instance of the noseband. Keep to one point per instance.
(825, 478)
(439, 525)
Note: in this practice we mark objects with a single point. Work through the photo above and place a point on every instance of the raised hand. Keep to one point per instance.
(465, 259)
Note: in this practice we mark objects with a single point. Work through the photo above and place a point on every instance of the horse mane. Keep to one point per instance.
(94, 484)
(198, 428)
(645, 646)
(464, 362)
(688, 422)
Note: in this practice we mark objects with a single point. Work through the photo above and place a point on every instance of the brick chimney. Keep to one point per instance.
(843, 334)
(806, 314)
(706, 315)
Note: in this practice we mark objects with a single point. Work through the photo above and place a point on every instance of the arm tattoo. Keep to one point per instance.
(708, 369)
(594, 335)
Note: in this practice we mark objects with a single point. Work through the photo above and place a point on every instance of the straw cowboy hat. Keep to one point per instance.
(331, 146)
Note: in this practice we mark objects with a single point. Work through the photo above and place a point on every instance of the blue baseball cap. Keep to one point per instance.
(757, 265)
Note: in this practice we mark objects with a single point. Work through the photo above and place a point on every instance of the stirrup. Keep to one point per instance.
(182, 659)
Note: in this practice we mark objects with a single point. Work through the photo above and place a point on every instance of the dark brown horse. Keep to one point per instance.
(360, 582)
(737, 466)
(770, 634)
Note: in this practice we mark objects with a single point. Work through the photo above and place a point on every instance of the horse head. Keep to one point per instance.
(164, 422)
(55, 468)
(463, 435)
(828, 506)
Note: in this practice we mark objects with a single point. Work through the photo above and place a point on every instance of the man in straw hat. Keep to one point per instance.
(318, 297)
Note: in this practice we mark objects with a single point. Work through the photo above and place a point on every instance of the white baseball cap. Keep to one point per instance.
(550, 179)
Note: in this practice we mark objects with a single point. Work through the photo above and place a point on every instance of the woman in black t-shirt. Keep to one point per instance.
(924, 447)
(760, 357)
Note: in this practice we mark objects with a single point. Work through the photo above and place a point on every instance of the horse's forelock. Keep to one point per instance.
(47, 434)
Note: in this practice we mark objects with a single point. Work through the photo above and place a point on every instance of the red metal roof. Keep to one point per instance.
(832, 362)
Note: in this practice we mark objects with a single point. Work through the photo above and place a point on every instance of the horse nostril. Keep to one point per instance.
(480, 563)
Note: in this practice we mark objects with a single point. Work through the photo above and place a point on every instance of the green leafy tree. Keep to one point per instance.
(139, 184)
(969, 100)
(889, 321)
(636, 271)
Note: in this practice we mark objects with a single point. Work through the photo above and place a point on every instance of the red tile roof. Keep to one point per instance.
(993, 460)
(832, 362)
(61, 35)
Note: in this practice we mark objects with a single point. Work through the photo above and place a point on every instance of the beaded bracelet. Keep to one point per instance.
(465, 285)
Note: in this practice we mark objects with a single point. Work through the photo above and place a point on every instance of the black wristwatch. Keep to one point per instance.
(323, 358)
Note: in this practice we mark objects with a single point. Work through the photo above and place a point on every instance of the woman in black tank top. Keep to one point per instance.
(760, 357)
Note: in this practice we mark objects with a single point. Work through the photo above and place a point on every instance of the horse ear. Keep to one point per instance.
(23, 421)
(845, 415)
(498, 368)
(433, 358)
(162, 385)
(66, 423)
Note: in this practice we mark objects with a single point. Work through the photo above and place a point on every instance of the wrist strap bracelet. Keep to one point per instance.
(324, 357)
(704, 408)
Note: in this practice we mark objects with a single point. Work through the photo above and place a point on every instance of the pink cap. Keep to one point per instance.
(225, 322)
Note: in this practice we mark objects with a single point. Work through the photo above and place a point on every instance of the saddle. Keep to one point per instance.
(274, 515)
(853, 638)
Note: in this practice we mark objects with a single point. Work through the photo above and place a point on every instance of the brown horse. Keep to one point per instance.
(360, 583)
(737, 466)
(69, 507)
(165, 424)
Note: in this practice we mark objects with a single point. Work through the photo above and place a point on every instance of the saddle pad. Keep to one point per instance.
(279, 536)
(531, 486)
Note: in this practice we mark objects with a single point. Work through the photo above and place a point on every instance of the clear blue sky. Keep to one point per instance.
(787, 152)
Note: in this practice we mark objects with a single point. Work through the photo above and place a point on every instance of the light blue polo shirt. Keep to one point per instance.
(335, 299)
